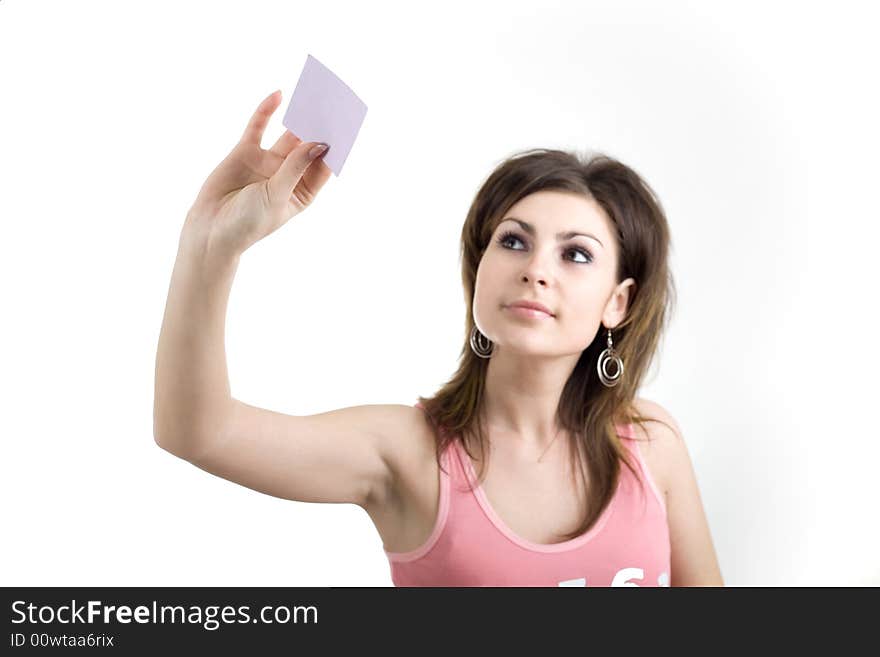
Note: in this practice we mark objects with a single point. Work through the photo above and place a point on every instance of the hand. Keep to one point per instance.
(253, 192)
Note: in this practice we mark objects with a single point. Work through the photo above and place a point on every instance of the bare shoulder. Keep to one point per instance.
(660, 444)
(404, 511)
(693, 558)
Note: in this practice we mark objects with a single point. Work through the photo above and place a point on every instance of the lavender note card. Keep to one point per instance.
(324, 108)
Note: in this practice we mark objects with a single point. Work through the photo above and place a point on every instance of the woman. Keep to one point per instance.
(564, 266)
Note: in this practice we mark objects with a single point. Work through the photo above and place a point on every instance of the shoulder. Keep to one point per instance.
(662, 425)
(407, 450)
(693, 558)
(409, 433)
(660, 441)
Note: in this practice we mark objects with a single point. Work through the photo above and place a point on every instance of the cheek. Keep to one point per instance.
(489, 277)
(485, 287)
(581, 310)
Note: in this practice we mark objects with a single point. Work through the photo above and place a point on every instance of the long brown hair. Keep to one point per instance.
(588, 410)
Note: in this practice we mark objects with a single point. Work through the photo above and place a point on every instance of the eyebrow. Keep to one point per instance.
(526, 226)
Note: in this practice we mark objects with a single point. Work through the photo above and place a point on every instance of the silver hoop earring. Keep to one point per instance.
(480, 344)
(609, 356)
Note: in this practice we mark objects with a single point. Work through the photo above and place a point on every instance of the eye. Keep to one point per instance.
(510, 235)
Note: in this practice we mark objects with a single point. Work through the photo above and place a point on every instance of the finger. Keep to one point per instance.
(286, 143)
(315, 176)
(253, 134)
(287, 177)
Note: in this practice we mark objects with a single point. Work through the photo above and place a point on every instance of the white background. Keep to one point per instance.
(755, 122)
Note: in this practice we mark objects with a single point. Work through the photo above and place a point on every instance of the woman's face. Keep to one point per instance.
(573, 276)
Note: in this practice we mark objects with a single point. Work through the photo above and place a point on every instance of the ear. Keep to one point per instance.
(615, 309)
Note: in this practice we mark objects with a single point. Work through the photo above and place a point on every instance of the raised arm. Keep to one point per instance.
(338, 456)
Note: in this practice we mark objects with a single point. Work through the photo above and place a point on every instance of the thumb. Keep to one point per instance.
(282, 183)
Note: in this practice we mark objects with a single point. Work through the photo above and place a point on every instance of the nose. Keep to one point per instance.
(535, 271)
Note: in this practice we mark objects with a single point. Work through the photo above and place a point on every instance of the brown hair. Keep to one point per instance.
(587, 410)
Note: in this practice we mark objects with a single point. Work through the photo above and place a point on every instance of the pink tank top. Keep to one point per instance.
(470, 545)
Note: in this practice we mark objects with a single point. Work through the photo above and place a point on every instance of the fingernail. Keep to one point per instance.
(317, 150)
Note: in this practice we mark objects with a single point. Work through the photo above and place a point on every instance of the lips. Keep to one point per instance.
(533, 305)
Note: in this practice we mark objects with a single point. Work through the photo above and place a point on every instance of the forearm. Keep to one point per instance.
(192, 395)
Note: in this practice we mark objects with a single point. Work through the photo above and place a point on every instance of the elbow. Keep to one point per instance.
(164, 444)
(175, 446)
(160, 430)
(173, 439)
(189, 447)
(160, 436)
